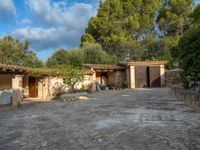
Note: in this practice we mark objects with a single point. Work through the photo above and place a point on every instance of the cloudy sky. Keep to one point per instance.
(47, 24)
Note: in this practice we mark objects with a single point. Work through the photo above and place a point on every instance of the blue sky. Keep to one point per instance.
(47, 24)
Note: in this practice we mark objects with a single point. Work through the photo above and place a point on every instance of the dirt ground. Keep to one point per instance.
(140, 119)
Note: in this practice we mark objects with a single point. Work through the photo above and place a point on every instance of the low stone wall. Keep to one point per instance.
(191, 98)
(172, 77)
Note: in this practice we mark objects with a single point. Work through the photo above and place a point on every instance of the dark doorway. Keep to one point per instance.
(102, 77)
(32, 87)
(141, 77)
(155, 80)
(147, 76)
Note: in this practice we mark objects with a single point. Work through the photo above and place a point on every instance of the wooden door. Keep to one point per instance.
(141, 77)
(155, 80)
(32, 87)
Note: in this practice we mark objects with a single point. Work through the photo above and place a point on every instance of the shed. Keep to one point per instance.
(107, 73)
(11, 78)
(141, 74)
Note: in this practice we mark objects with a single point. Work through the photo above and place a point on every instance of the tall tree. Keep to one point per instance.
(196, 14)
(120, 24)
(189, 55)
(189, 51)
(60, 57)
(13, 51)
(174, 16)
(87, 53)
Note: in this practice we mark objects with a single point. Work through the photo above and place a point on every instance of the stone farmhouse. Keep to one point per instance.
(134, 74)
(19, 78)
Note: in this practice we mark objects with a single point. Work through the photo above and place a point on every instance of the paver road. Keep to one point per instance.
(140, 119)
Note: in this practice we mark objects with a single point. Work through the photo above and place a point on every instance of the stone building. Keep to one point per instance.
(19, 78)
(133, 74)
(136, 74)
(11, 78)
(141, 74)
(106, 74)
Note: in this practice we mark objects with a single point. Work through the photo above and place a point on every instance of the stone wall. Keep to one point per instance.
(191, 98)
(172, 77)
(49, 87)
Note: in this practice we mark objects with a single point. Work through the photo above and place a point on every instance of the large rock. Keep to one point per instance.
(5, 97)
(16, 98)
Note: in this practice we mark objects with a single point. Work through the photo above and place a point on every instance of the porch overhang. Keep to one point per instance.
(13, 69)
(104, 67)
(146, 63)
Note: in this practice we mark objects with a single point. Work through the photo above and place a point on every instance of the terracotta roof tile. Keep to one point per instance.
(103, 66)
(13, 68)
(146, 63)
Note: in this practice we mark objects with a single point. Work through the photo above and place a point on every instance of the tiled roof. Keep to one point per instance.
(103, 66)
(130, 63)
(13, 69)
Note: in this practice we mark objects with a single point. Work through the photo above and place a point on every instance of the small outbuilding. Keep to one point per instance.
(43, 87)
(144, 74)
(136, 74)
(11, 78)
(107, 74)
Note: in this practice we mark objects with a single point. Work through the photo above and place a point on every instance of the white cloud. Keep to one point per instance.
(58, 13)
(42, 39)
(7, 10)
(26, 21)
(58, 25)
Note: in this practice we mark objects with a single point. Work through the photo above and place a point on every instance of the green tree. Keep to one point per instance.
(174, 16)
(60, 57)
(173, 20)
(13, 51)
(196, 14)
(71, 75)
(189, 55)
(120, 24)
(87, 53)
(31, 60)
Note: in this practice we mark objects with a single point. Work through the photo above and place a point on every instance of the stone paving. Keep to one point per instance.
(140, 119)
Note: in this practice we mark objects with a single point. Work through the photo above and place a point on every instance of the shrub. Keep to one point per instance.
(189, 55)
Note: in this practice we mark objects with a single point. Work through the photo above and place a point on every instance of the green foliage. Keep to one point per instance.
(173, 18)
(43, 71)
(196, 14)
(88, 53)
(13, 51)
(60, 57)
(126, 28)
(88, 38)
(189, 55)
(119, 24)
(71, 75)
(31, 60)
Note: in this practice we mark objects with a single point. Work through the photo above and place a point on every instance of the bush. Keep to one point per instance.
(87, 53)
(189, 55)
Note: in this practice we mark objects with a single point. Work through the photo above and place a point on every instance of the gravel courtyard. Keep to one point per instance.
(140, 119)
